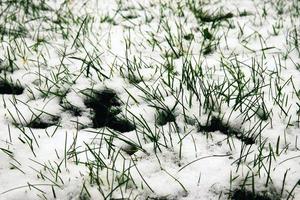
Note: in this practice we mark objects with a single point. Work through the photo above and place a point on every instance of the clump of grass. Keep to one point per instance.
(6, 67)
(106, 107)
(108, 19)
(216, 124)
(6, 87)
(17, 32)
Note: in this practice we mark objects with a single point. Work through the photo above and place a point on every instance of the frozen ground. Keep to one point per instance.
(149, 99)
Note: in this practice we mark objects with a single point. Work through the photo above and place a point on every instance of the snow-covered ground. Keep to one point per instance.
(157, 99)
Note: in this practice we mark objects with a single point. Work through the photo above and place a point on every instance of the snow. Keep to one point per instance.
(69, 159)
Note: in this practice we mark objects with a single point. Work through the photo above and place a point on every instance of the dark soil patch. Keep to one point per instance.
(241, 194)
(206, 34)
(75, 111)
(42, 124)
(131, 149)
(244, 13)
(121, 125)
(163, 117)
(216, 124)
(189, 36)
(204, 16)
(106, 107)
(262, 113)
(9, 88)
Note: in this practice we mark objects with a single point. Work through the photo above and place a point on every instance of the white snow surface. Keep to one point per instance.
(66, 159)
